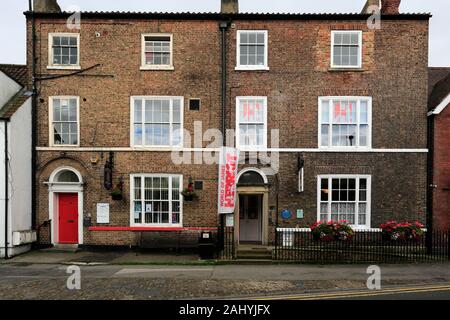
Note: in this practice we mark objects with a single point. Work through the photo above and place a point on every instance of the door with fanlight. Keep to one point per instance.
(250, 218)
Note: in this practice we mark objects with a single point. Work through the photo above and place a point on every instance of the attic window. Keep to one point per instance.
(346, 49)
(64, 50)
(157, 51)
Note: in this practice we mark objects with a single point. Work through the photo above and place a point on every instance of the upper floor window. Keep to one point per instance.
(157, 121)
(346, 49)
(251, 122)
(344, 197)
(157, 51)
(64, 121)
(252, 50)
(64, 50)
(345, 122)
(156, 200)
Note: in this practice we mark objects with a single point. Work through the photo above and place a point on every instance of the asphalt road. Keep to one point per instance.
(109, 282)
(411, 292)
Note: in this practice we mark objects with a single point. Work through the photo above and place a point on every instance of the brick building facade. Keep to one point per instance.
(349, 104)
(439, 119)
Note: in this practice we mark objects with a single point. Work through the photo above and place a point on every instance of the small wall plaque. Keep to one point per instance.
(286, 214)
(103, 213)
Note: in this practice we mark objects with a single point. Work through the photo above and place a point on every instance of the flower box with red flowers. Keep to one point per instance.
(332, 231)
(189, 193)
(402, 231)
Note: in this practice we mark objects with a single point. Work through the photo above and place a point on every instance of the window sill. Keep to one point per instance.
(257, 149)
(342, 69)
(241, 68)
(153, 68)
(357, 149)
(157, 148)
(63, 67)
(64, 146)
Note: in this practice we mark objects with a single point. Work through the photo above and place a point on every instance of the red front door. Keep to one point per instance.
(68, 218)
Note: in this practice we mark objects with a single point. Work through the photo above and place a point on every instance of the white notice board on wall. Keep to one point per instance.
(102, 212)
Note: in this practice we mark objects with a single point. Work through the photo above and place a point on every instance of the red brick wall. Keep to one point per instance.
(394, 73)
(441, 194)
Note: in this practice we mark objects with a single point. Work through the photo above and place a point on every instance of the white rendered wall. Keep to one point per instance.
(8, 88)
(2, 188)
(20, 165)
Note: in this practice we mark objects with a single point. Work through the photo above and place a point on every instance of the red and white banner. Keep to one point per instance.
(228, 166)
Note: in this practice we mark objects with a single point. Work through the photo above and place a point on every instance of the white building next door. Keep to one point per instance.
(250, 218)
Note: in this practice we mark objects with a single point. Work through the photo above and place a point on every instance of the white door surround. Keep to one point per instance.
(55, 187)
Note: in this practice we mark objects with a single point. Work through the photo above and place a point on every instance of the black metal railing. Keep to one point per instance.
(364, 246)
(226, 247)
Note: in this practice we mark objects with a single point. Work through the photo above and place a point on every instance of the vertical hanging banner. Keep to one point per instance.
(228, 166)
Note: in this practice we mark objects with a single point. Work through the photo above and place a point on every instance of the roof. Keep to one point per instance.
(14, 104)
(436, 74)
(222, 16)
(439, 79)
(17, 72)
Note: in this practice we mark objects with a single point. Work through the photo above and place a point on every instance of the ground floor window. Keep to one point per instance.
(345, 197)
(156, 200)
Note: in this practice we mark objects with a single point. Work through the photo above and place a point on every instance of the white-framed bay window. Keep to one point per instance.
(64, 51)
(346, 49)
(157, 121)
(345, 122)
(252, 50)
(64, 121)
(156, 200)
(251, 123)
(344, 197)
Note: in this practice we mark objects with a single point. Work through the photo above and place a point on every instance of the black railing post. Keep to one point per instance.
(221, 236)
(276, 243)
(429, 241)
(448, 244)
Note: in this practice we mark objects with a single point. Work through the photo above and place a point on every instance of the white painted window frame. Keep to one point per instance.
(246, 148)
(50, 117)
(157, 147)
(144, 65)
(155, 175)
(53, 66)
(348, 176)
(330, 147)
(360, 58)
(238, 51)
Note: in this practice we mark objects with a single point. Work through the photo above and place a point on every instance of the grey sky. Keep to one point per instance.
(12, 21)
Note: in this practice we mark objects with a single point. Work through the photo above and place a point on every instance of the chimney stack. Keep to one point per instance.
(46, 6)
(369, 4)
(230, 6)
(390, 6)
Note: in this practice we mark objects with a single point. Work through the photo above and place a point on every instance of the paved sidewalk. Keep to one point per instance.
(46, 281)
(87, 257)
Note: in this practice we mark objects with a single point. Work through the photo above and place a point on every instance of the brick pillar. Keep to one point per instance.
(369, 4)
(230, 6)
(390, 6)
(46, 6)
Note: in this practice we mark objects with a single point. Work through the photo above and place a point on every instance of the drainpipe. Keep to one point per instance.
(223, 26)
(5, 121)
(34, 120)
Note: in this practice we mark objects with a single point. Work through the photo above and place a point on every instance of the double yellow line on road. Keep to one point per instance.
(355, 294)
